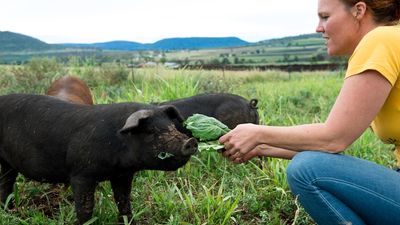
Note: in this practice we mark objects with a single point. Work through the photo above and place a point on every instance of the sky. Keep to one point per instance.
(148, 21)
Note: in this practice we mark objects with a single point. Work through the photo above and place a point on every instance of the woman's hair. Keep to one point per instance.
(383, 11)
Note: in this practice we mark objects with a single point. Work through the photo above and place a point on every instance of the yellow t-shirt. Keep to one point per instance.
(379, 50)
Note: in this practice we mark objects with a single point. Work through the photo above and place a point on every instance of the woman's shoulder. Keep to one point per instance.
(384, 36)
(384, 33)
(378, 50)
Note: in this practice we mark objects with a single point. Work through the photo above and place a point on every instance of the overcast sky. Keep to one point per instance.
(147, 21)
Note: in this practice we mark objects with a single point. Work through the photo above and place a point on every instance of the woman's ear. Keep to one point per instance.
(359, 10)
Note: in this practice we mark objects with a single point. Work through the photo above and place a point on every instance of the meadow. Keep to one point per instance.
(208, 189)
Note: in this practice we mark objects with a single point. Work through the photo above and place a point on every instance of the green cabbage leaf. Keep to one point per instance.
(206, 129)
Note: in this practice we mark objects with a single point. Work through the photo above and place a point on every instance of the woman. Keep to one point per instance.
(334, 188)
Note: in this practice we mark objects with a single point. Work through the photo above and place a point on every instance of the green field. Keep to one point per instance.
(208, 189)
(301, 49)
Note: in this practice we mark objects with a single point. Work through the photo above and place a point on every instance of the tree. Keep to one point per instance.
(225, 61)
(163, 60)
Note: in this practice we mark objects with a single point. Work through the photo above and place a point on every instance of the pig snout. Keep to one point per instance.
(189, 147)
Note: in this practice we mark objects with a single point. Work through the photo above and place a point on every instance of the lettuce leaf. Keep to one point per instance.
(205, 128)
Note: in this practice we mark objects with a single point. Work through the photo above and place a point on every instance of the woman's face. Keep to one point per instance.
(338, 26)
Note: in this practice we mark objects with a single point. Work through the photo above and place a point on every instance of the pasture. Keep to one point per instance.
(208, 189)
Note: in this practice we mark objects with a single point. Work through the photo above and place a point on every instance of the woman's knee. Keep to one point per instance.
(305, 165)
(304, 160)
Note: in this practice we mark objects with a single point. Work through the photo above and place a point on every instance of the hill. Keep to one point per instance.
(112, 45)
(167, 44)
(302, 49)
(198, 43)
(14, 42)
(292, 39)
(11, 42)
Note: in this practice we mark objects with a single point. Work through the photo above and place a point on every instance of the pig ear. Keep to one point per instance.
(172, 112)
(135, 119)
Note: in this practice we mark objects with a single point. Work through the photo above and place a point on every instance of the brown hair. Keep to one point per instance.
(384, 11)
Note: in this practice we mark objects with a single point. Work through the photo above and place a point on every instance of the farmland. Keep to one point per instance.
(308, 49)
(209, 189)
(301, 49)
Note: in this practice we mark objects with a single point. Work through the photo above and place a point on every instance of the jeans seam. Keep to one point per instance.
(337, 214)
(358, 187)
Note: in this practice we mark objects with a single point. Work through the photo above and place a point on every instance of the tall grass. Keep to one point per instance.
(208, 189)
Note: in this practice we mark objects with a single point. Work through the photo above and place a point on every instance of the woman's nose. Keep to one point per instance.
(320, 28)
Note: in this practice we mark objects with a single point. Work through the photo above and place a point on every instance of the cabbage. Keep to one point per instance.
(207, 129)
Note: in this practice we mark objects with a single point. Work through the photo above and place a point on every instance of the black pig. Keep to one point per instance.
(50, 140)
(228, 108)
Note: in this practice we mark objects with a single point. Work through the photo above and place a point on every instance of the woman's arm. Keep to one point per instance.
(357, 104)
(267, 151)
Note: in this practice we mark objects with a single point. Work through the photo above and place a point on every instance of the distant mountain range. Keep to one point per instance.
(11, 42)
(167, 44)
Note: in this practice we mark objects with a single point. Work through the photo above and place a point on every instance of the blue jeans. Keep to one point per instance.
(341, 189)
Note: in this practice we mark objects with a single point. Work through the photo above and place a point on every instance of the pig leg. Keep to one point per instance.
(122, 186)
(7, 180)
(83, 190)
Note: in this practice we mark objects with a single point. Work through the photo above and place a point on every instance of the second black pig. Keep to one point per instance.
(228, 108)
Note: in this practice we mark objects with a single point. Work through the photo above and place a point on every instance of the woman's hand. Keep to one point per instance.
(264, 150)
(240, 141)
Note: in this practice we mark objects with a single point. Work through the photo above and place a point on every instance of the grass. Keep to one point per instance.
(208, 189)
